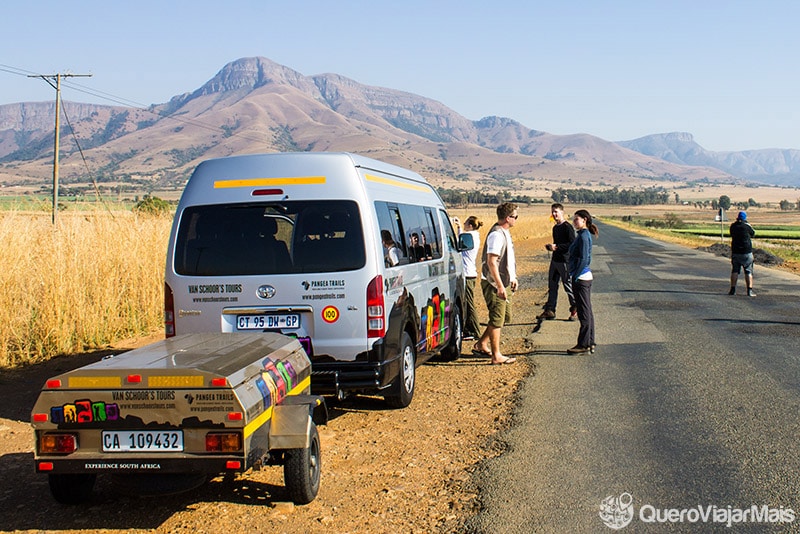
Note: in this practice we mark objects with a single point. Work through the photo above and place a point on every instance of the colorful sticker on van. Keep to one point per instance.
(434, 320)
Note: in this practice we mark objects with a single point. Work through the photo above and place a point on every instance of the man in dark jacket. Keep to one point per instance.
(563, 236)
(742, 253)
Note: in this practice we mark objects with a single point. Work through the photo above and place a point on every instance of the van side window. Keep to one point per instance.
(450, 234)
(432, 236)
(269, 238)
(389, 219)
(415, 229)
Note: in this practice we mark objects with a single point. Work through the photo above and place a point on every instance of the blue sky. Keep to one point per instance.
(725, 71)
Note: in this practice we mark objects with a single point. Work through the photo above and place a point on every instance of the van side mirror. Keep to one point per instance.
(465, 242)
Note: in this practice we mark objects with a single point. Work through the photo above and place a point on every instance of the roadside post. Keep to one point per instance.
(721, 218)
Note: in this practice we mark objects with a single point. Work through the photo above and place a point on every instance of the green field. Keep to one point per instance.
(762, 232)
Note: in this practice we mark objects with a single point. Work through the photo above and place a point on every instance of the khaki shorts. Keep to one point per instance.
(499, 310)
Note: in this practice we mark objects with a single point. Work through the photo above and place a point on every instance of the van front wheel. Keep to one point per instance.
(453, 349)
(402, 389)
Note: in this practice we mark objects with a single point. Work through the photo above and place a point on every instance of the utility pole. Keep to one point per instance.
(57, 77)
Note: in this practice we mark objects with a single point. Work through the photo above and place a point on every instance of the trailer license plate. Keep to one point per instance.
(143, 441)
(260, 322)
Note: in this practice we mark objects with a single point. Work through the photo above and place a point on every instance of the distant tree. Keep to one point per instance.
(677, 198)
(671, 220)
(152, 206)
(752, 203)
(725, 202)
(787, 205)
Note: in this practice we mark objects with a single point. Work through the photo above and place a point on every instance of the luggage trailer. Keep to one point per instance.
(165, 417)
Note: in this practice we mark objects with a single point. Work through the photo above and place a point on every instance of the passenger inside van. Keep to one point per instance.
(391, 254)
(275, 248)
(415, 251)
(427, 252)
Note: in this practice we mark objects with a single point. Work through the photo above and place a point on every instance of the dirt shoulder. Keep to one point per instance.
(383, 470)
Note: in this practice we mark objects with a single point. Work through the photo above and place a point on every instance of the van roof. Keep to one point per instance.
(356, 159)
(285, 171)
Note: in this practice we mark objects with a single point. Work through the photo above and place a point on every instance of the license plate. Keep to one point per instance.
(143, 441)
(260, 322)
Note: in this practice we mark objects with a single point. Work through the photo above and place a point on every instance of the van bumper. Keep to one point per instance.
(333, 378)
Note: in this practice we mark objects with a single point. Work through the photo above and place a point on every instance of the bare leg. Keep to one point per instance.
(494, 341)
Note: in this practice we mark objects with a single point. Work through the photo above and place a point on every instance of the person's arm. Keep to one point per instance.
(578, 260)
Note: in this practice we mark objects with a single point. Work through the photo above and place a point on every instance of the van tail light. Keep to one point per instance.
(169, 311)
(376, 327)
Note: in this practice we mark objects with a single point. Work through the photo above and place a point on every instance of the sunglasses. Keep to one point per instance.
(514, 216)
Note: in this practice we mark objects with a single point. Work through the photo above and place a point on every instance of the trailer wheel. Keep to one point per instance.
(301, 470)
(71, 489)
(453, 349)
(402, 390)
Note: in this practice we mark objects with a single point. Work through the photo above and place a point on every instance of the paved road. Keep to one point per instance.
(692, 399)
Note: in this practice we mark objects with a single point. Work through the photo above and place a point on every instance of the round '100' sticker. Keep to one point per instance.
(330, 314)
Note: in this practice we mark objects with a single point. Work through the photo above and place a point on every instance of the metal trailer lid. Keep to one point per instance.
(236, 357)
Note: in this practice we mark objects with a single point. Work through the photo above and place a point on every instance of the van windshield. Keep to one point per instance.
(270, 238)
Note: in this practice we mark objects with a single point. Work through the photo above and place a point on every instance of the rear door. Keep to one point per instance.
(294, 267)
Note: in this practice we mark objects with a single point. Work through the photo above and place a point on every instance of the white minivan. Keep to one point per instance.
(292, 243)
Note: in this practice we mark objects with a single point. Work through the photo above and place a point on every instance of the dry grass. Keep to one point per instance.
(91, 280)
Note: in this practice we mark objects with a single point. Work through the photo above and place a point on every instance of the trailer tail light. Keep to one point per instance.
(375, 325)
(223, 442)
(58, 443)
(54, 383)
(169, 312)
(219, 382)
(40, 418)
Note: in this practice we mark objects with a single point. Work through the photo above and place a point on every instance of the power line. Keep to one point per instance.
(57, 78)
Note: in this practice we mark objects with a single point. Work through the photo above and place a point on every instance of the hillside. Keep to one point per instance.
(256, 105)
(770, 166)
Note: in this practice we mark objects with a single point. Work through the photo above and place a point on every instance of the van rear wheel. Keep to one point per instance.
(402, 389)
(453, 349)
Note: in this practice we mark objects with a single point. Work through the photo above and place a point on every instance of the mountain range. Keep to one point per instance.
(256, 105)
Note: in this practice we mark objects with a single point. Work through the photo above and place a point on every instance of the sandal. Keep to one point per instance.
(480, 352)
(504, 361)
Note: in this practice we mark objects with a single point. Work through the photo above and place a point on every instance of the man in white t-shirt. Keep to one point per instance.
(498, 282)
